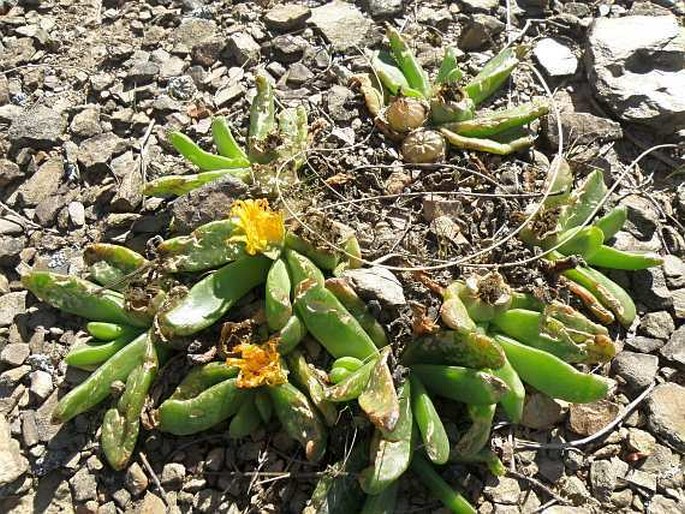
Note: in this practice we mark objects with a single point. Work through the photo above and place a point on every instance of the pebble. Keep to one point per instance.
(136, 480)
(588, 418)
(479, 31)
(42, 184)
(287, 17)
(649, 287)
(658, 325)
(99, 150)
(173, 474)
(674, 350)
(377, 283)
(87, 122)
(9, 172)
(215, 459)
(640, 441)
(151, 504)
(243, 48)
(604, 476)
(77, 214)
(40, 127)
(644, 344)
(342, 24)
(41, 384)
(641, 479)
(557, 59)
(503, 490)
(383, 8)
(637, 369)
(666, 414)
(678, 298)
(14, 354)
(83, 485)
(192, 31)
(659, 504)
(540, 411)
(674, 269)
(14, 464)
(11, 305)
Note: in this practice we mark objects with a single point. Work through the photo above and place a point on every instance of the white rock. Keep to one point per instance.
(557, 60)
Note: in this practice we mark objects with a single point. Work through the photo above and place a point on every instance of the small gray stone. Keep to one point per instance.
(588, 418)
(192, 31)
(287, 17)
(136, 480)
(604, 476)
(143, 72)
(649, 288)
(582, 128)
(122, 497)
(576, 491)
(637, 369)
(384, 8)
(151, 504)
(29, 429)
(207, 203)
(77, 214)
(678, 299)
(10, 248)
(666, 414)
(14, 464)
(674, 269)
(478, 31)
(674, 350)
(289, 49)
(479, 5)
(298, 74)
(11, 305)
(557, 59)
(41, 384)
(644, 344)
(207, 500)
(171, 67)
(243, 48)
(540, 411)
(87, 122)
(129, 194)
(658, 325)
(377, 284)
(39, 126)
(173, 475)
(503, 490)
(42, 184)
(643, 218)
(645, 481)
(9, 172)
(99, 150)
(83, 485)
(14, 354)
(640, 441)
(659, 504)
(342, 24)
(227, 95)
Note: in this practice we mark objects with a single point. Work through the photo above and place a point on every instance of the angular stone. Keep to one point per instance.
(14, 464)
(39, 126)
(207, 203)
(557, 59)
(99, 150)
(41, 383)
(136, 480)
(14, 354)
(383, 8)
(541, 412)
(582, 128)
(640, 441)
(649, 288)
(674, 350)
(604, 475)
(479, 31)
(674, 269)
(129, 194)
(658, 325)
(588, 418)
(87, 122)
(83, 485)
(342, 24)
(243, 48)
(640, 78)
(173, 475)
(503, 490)
(659, 504)
(42, 184)
(644, 344)
(287, 17)
(678, 298)
(11, 305)
(377, 284)
(9, 172)
(151, 504)
(637, 369)
(191, 32)
(666, 414)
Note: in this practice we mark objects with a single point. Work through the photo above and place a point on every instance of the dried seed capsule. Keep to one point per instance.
(423, 146)
(405, 114)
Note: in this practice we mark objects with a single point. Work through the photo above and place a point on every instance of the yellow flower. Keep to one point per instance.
(256, 225)
(259, 364)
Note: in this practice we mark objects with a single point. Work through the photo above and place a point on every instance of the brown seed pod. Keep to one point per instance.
(405, 114)
(423, 146)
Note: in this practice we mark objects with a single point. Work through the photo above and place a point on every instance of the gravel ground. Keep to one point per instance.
(88, 90)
